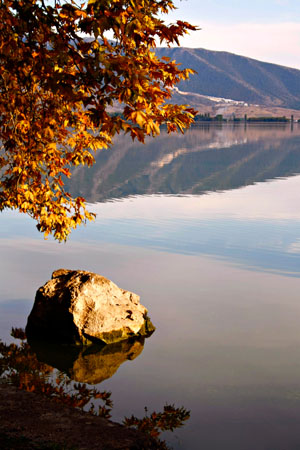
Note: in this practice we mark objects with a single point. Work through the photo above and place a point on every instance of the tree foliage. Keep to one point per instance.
(59, 77)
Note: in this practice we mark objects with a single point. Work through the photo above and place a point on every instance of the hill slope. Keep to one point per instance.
(230, 76)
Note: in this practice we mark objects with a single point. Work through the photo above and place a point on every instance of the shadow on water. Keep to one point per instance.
(32, 367)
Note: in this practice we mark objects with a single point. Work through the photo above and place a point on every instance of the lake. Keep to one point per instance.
(205, 227)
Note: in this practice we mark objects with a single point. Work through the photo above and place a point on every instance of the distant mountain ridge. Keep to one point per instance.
(230, 76)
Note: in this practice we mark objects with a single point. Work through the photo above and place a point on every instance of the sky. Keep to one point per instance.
(267, 30)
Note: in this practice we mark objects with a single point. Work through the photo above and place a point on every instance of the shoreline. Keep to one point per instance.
(42, 423)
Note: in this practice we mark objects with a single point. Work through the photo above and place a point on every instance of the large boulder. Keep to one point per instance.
(82, 307)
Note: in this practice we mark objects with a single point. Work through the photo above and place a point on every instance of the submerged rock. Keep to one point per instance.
(82, 307)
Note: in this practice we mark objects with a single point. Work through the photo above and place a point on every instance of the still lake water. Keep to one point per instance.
(205, 227)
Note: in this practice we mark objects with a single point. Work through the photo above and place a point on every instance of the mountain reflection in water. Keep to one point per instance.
(206, 158)
(219, 273)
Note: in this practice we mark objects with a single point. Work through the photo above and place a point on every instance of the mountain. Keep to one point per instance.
(223, 75)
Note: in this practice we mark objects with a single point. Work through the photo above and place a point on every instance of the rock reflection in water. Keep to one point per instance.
(92, 364)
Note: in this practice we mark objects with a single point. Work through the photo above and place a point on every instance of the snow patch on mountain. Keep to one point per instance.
(213, 99)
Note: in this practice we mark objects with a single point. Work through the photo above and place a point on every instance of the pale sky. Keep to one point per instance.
(268, 30)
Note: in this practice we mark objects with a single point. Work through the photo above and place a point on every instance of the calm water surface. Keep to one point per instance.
(205, 227)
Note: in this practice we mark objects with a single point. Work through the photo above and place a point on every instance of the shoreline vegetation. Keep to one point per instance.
(233, 118)
(33, 421)
(206, 117)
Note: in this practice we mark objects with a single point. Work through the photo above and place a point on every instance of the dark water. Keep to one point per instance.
(205, 227)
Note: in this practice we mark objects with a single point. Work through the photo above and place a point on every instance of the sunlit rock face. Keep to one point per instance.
(82, 307)
(92, 364)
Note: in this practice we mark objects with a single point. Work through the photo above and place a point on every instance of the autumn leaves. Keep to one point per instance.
(57, 89)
